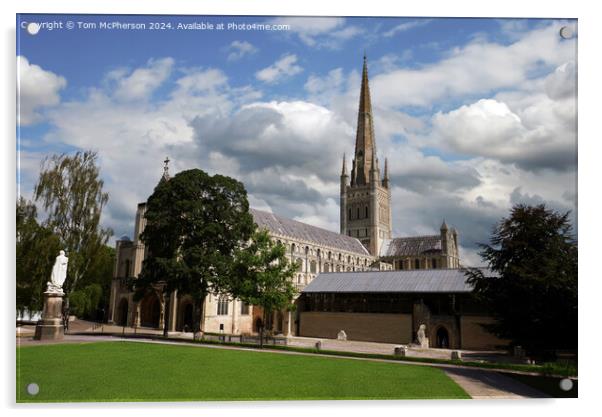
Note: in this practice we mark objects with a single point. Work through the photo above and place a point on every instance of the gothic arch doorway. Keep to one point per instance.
(150, 310)
(442, 338)
(187, 317)
(122, 312)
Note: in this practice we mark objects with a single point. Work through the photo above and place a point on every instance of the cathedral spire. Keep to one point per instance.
(365, 145)
(344, 171)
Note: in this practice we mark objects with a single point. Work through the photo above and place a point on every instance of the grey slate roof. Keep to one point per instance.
(399, 281)
(298, 230)
(411, 246)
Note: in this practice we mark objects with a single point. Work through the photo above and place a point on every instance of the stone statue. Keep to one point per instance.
(423, 341)
(59, 273)
(342, 335)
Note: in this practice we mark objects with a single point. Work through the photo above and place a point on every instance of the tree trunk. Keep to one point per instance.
(262, 329)
(197, 330)
(166, 301)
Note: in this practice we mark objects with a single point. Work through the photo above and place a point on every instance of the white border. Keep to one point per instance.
(590, 217)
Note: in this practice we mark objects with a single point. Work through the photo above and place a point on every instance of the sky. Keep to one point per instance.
(474, 115)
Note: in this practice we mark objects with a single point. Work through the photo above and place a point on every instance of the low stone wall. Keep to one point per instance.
(474, 336)
(386, 328)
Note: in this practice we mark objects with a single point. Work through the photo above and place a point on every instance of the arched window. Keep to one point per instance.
(349, 214)
(358, 212)
(222, 306)
(366, 211)
(312, 267)
(299, 264)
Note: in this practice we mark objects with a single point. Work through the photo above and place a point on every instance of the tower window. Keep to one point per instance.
(349, 214)
(366, 211)
(358, 212)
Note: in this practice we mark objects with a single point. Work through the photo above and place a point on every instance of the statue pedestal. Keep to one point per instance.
(50, 327)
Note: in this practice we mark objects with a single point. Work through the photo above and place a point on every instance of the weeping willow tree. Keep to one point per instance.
(70, 191)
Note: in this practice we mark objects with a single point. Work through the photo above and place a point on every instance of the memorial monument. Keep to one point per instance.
(50, 327)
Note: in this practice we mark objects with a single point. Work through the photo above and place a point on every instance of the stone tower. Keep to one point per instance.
(365, 197)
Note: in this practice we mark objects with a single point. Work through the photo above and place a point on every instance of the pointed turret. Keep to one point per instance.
(386, 177)
(343, 207)
(444, 226)
(365, 145)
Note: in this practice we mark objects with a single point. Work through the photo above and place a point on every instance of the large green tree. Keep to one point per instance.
(533, 291)
(70, 191)
(36, 250)
(194, 224)
(262, 275)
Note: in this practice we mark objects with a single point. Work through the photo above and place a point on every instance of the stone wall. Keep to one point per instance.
(388, 328)
(475, 337)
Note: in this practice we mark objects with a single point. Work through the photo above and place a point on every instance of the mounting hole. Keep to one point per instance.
(33, 389)
(566, 32)
(33, 28)
(566, 384)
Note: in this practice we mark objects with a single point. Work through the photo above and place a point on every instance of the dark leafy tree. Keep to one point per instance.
(533, 254)
(262, 276)
(36, 250)
(71, 192)
(194, 224)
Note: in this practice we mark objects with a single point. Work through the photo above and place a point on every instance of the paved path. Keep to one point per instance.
(491, 385)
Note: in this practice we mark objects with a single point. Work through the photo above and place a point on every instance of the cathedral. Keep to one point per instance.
(365, 245)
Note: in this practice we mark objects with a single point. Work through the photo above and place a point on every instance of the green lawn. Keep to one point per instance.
(130, 371)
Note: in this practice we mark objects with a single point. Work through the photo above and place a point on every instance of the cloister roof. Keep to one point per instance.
(398, 281)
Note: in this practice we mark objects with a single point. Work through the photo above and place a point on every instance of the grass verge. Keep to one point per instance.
(126, 371)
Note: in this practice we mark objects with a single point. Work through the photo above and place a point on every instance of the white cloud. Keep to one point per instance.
(325, 87)
(477, 68)
(37, 89)
(527, 128)
(239, 49)
(404, 27)
(142, 82)
(309, 28)
(133, 137)
(562, 83)
(285, 67)
(319, 32)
